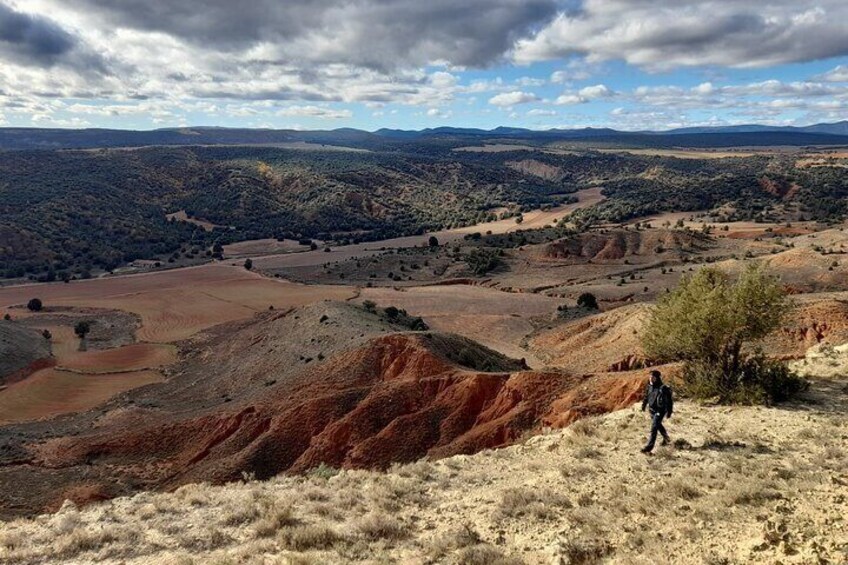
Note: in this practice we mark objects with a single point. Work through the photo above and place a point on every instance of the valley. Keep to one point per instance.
(272, 360)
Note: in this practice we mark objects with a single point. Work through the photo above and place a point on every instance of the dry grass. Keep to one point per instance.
(739, 487)
(525, 502)
(308, 537)
(379, 526)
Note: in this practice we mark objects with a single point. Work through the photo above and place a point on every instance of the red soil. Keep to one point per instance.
(395, 399)
(51, 392)
(127, 358)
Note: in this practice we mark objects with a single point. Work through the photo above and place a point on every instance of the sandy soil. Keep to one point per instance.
(496, 319)
(174, 305)
(268, 246)
(183, 217)
(127, 358)
(51, 392)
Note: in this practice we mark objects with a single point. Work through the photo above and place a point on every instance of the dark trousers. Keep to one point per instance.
(656, 427)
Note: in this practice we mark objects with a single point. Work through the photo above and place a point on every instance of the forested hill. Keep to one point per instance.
(66, 213)
(386, 139)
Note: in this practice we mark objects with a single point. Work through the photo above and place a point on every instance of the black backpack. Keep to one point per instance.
(658, 402)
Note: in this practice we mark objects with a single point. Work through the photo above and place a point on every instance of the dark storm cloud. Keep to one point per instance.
(34, 40)
(369, 33)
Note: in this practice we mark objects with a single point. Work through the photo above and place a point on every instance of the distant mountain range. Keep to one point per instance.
(720, 136)
(837, 128)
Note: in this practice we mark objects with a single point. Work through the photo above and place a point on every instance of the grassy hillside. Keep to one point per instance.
(738, 485)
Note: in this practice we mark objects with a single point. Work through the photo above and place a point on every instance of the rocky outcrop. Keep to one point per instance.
(615, 245)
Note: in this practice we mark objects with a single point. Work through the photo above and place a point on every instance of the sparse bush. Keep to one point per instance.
(453, 540)
(485, 554)
(376, 526)
(248, 263)
(526, 502)
(323, 471)
(308, 537)
(707, 321)
(274, 517)
(583, 550)
(481, 261)
(587, 300)
(35, 305)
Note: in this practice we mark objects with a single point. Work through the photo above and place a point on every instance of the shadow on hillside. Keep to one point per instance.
(824, 395)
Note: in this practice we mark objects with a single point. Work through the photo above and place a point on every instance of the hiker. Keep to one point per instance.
(659, 402)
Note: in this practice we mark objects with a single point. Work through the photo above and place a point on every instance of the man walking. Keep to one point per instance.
(659, 401)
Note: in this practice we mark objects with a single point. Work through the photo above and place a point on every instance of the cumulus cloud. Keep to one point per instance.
(161, 60)
(837, 74)
(314, 112)
(506, 99)
(585, 94)
(536, 112)
(693, 33)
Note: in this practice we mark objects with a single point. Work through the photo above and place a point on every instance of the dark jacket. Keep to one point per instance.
(658, 399)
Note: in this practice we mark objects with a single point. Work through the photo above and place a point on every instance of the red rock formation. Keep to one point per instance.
(397, 398)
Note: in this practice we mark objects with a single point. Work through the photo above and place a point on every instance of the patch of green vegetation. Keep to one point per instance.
(708, 321)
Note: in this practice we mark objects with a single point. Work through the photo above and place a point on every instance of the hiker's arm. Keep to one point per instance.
(645, 398)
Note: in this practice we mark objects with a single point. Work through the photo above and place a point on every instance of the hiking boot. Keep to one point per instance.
(646, 450)
(665, 441)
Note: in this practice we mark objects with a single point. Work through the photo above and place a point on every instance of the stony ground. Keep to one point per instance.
(738, 485)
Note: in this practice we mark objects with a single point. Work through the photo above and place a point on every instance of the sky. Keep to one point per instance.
(413, 64)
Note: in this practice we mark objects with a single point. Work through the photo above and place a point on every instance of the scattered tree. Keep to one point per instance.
(35, 305)
(46, 334)
(709, 322)
(433, 241)
(587, 300)
(82, 329)
(248, 263)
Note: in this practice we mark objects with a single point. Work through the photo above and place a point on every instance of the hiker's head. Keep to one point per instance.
(656, 377)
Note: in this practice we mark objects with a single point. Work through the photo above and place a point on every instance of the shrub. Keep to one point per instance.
(481, 261)
(376, 526)
(706, 322)
(308, 537)
(248, 264)
(35, 305)
(587, 300)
